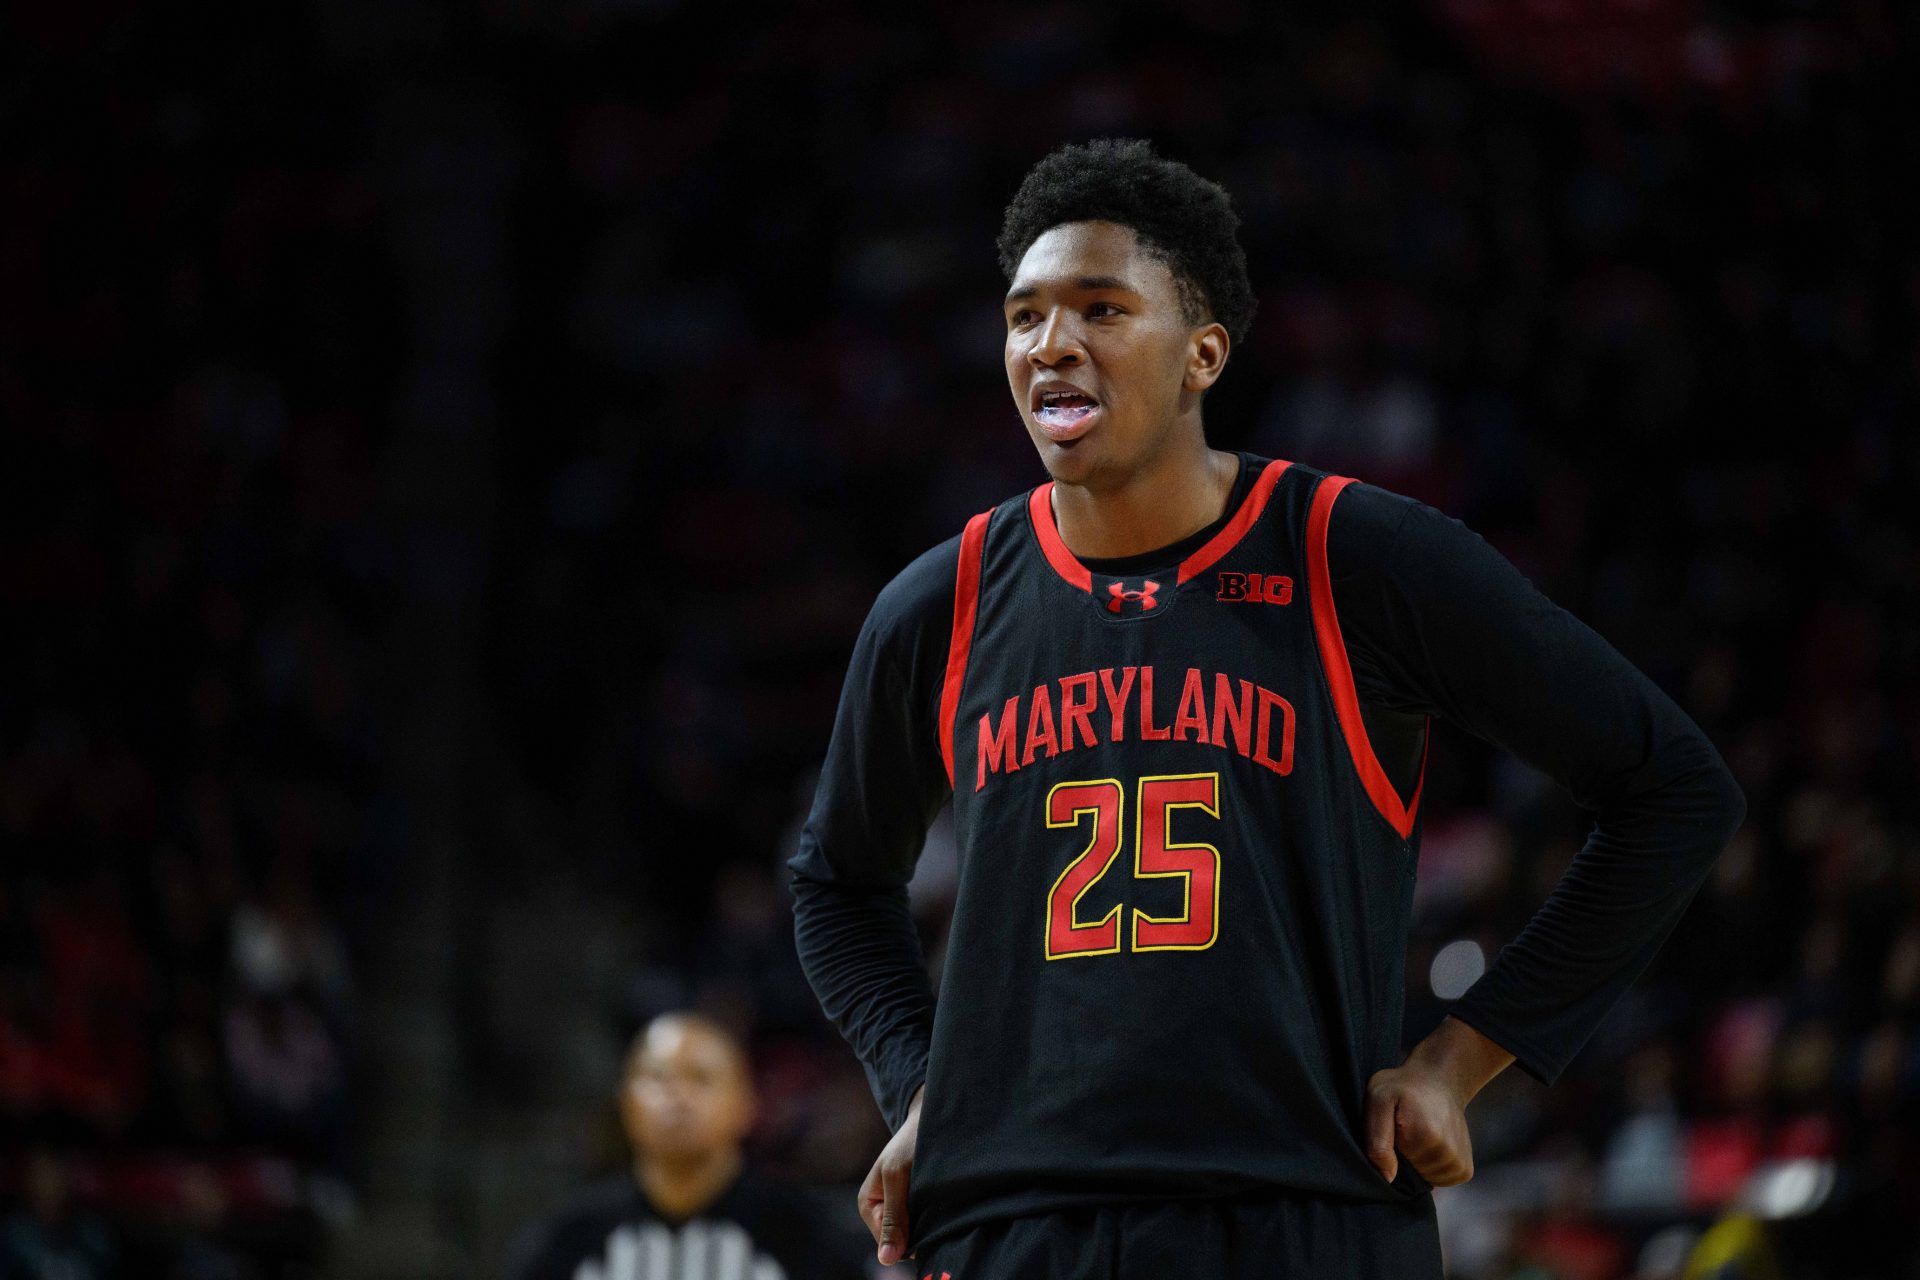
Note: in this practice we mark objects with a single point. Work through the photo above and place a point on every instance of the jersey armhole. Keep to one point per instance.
(1400, 815)
(966, 603)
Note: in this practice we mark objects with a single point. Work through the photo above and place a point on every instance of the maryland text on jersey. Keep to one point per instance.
(1119, 705)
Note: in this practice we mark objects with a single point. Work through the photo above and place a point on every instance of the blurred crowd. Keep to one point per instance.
(1633, 290)
(193, 778)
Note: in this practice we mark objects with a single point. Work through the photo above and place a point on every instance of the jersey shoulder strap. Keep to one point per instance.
(1399, 814)
(966, 604)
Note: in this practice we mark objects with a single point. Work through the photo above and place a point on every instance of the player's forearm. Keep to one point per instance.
(1602, 924)
(862, 957)
(1446, 626)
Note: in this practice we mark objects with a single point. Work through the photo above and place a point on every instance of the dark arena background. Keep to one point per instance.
(450, 448)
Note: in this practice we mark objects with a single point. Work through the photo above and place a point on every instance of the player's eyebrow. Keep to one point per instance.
(1086, 284)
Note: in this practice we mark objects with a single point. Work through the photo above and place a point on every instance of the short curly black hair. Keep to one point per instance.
(1180, 218)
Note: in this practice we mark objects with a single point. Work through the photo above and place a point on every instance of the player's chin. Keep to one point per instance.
(1069, 461)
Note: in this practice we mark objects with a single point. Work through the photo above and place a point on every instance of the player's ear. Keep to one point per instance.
(1206, 356)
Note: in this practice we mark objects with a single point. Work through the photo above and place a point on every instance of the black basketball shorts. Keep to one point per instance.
(1264, 1236)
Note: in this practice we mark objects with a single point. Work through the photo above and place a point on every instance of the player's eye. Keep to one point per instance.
(1019, 318)
(1100, 309)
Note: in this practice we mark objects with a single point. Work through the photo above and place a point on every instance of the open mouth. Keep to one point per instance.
(1064, 414)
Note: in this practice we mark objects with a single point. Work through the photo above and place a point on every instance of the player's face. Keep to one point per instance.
(686, 1092)
(1100, 359)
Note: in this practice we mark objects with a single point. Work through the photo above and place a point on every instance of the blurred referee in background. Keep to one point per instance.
(689, 1206)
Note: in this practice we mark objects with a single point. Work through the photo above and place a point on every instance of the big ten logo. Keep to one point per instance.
(1256, 588)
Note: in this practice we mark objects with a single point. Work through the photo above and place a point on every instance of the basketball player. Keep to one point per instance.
(1180, 700)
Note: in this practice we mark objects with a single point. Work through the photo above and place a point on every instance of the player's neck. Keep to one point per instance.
(1155, 507)
(680, 1189)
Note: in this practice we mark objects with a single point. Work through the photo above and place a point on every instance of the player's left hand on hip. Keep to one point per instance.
(1414, 1115)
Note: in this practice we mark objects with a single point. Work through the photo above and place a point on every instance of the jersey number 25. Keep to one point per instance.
(1155, 856)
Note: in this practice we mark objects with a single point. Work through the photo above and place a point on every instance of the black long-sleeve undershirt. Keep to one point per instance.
(1436, 623)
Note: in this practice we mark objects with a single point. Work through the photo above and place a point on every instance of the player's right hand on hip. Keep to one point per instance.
(1412, 1113)
(883, 1196)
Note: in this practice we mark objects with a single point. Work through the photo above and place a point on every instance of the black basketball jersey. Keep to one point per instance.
(1177, 946)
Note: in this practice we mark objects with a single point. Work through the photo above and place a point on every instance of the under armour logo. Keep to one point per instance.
(1118, 595)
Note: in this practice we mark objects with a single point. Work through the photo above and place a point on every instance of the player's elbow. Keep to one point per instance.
(1733, 804)
(808, 895)
(1698, 802)
(1721, 805)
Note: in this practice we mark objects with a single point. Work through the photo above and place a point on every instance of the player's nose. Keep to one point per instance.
(1057, 343)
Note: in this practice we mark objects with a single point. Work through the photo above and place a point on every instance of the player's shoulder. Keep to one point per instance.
(1355, 500)
(920, 596)
(1372, 525)
(1368, 506)
(924, 585)
(913, 613)
(1377, 533)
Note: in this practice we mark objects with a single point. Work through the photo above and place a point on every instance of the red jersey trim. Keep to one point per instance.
(1333, 660)
(966, 604)
(1228, 538)
(1040, 507)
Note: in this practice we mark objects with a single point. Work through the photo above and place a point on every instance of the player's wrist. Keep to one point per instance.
(1459, 1058)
